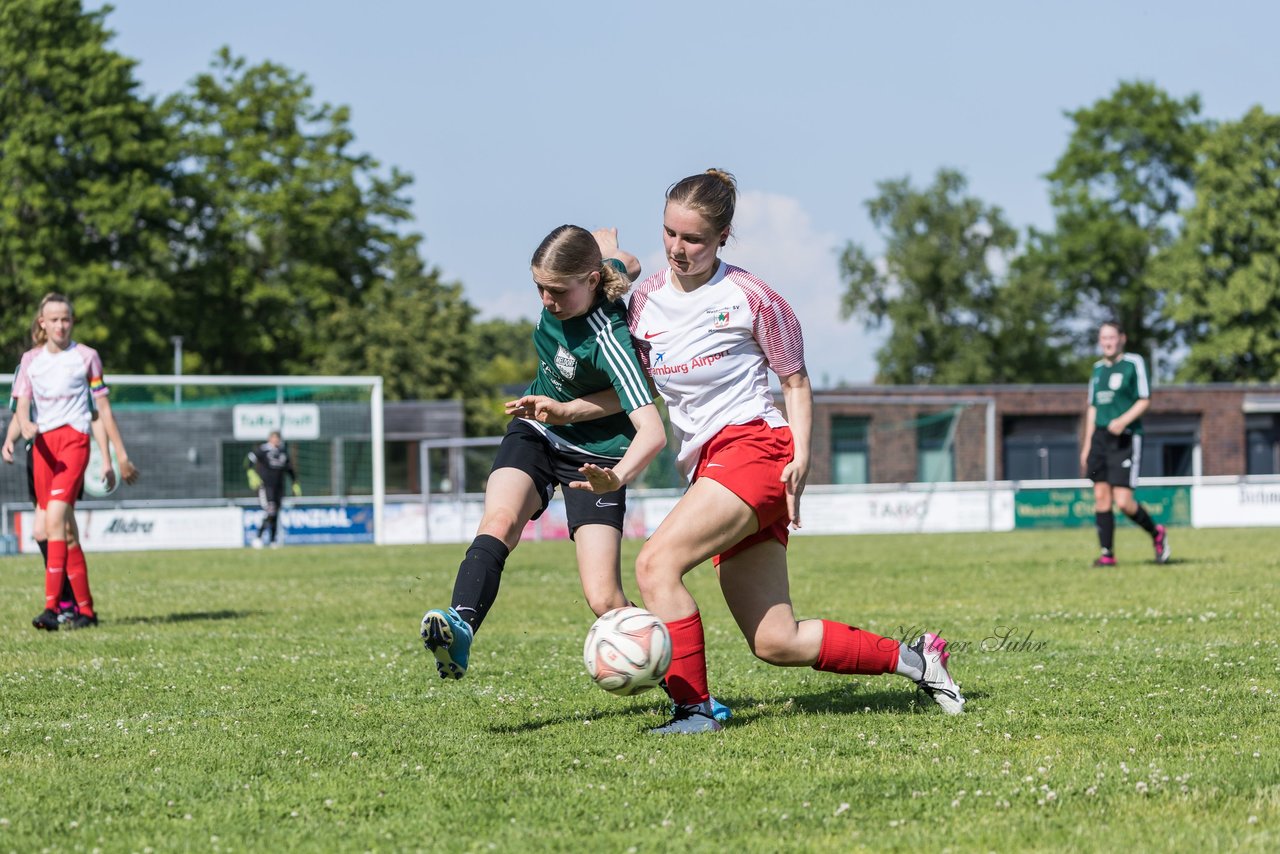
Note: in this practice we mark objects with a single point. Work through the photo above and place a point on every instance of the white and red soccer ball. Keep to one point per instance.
(628, 650)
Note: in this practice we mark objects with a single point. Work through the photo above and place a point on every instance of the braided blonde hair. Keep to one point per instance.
(571, 252)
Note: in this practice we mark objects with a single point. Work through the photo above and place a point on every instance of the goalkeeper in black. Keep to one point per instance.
(266, 467)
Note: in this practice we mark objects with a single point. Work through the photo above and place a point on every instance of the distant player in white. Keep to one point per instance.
(67, 609)
(709, 333)
(58, 375)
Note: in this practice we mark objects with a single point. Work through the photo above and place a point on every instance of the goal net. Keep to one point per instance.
(189, 436)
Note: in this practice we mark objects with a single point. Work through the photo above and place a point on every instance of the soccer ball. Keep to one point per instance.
(628, 650)
(94, 484)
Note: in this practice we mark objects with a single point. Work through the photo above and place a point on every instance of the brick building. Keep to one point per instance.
(901, 434)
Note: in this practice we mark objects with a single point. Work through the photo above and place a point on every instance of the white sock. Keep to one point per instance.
(910, 663)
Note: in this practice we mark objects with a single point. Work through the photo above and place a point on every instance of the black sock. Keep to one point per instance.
(44, 550)
(479, 575)
(1143, 520)
(1106, 530)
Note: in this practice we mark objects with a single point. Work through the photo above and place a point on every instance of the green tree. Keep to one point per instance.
(405, 325)
(86, 199)
(1116, 193)
(1224, 275)
(956, 318)
(505, 363)
(290, 227)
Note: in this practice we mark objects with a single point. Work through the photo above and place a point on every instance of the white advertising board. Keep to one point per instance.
(295, 421)
(1237, 505)
(906, 512)
(138, 530)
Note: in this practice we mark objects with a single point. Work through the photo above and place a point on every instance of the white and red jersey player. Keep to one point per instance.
(709, 352)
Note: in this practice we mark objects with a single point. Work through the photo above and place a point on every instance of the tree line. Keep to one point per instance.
(239, 214)
(1164, 221)
(236, 213)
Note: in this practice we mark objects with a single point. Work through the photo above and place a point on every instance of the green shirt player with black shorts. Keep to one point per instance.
(584, 347)
(1119, 394)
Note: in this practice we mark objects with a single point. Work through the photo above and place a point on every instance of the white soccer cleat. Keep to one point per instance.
(937, 681)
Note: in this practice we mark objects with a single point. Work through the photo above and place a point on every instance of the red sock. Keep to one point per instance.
(846, 649)
(687, 678)
(55, 567)
(78, 574)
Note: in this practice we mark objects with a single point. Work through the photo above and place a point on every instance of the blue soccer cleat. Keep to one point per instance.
(448, 637)
(719, 710)
(688, 720)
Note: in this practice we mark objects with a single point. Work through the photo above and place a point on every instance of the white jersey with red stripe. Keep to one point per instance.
(709, 352)
(59, 384)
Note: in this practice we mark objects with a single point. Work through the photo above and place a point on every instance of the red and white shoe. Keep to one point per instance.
(937, 681)
(1161, 542)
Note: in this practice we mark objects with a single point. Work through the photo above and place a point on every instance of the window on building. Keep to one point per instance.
(1169, 445)
(849, 450)
(1041, 447)
(1262, 438)
(935, 448)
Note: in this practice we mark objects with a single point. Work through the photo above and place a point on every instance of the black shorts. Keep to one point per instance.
(524, 448)
(269, 498)
(1115, 459)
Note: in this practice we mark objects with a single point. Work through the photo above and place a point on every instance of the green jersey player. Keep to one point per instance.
(583, 346)
(1119, 394)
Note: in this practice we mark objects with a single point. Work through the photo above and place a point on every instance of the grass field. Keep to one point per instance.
(281, 701)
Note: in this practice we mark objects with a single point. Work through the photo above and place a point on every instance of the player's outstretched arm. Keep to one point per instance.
(607, 240)
(548, 411)
(650, 438)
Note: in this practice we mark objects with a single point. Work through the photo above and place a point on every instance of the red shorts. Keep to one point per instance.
(748, 460)
(60, 458)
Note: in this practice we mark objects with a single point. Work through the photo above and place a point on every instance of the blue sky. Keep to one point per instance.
(516, 117)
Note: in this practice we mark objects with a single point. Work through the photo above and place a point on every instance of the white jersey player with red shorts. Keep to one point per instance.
(55, 381)
(708, 352)
(709, 333)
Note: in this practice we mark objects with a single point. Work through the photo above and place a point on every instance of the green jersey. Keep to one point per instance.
(583, 355)
(1115, 388)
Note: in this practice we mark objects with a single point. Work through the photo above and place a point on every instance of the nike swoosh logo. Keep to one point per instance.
(649, 335)
(715, 465)
(600, 503)
(56, 491)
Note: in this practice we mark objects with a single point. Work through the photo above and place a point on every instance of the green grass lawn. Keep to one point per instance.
(281, 701)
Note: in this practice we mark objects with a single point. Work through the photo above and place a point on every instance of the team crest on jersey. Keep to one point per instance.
(565, 363)
(721, 319)
(1115, 381)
